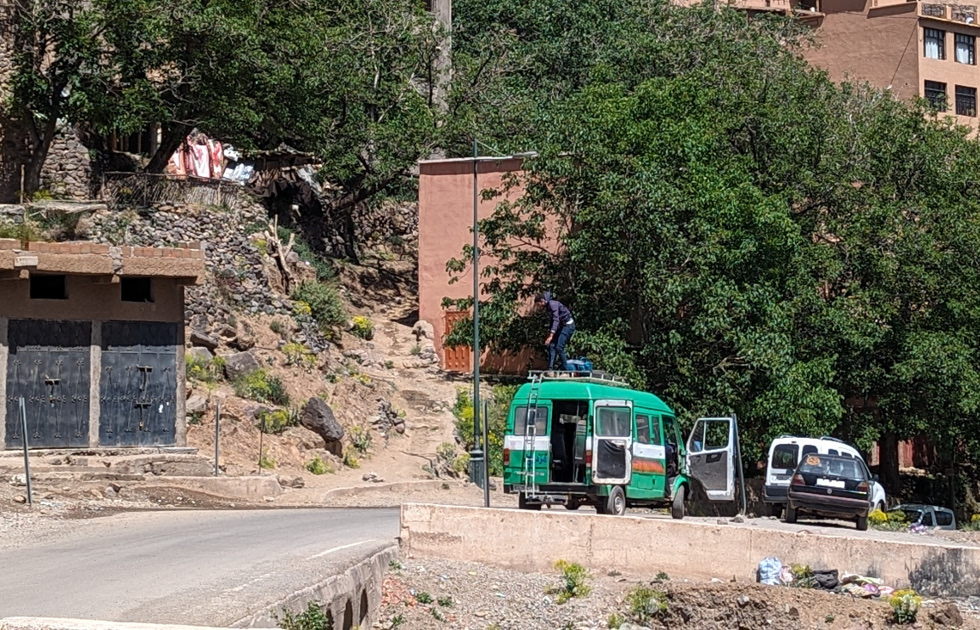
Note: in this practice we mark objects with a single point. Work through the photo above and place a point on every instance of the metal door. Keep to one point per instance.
(460, 358)
(613, 433)
(49, 365)
(138, 387)
(711, 456)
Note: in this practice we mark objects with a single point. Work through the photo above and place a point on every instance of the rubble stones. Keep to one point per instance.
(318, 417)
(202, 355)
(196, 405)
(204, 340)
(239, 364)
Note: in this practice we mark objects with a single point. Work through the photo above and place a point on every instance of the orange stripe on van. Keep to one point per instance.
(648, 466)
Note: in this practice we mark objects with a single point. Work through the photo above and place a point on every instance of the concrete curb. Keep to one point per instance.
(238, 488)
(42, 623)
(381, 488)
(535, 540)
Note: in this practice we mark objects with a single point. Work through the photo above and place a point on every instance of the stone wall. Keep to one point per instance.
(12, 139)
(68, 171)
(238, 275)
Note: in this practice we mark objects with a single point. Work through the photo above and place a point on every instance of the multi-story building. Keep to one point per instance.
(925, 48)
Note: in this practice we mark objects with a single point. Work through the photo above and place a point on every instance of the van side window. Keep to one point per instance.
(807, 450)
(655, 436)
(643, 429)
(944, 519)
(613, 422)
(784, 456)
(540, 417)
(832, 452)
(927, 519)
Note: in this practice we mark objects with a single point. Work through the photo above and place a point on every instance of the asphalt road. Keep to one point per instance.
(193, 567)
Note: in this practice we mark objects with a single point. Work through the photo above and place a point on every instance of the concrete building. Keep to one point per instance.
(445, 227)
(92, 340)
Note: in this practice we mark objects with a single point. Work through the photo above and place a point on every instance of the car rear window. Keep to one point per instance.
(613, 422)
(540, 420)
(944, 519)
(784, 456)
(831, 466)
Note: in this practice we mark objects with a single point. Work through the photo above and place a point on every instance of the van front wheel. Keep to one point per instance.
(616, 502)
(677, 507)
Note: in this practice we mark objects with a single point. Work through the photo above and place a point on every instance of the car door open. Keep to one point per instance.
(613, 435)
(711, 457)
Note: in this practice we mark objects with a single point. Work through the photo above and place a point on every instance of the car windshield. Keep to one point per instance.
(831, 466)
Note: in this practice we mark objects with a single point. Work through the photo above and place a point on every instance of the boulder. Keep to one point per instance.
(240, 363)
(243, 341)
(318, 417)
(201, 354)
(196, 404)
(201, 338)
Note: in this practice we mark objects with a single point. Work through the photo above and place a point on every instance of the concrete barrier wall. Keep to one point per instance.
(41, 623)
(643, 546)
(353, 598)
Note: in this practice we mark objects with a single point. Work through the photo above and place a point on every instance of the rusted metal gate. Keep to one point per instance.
(138, 386)
(49, 365)
(460, 358)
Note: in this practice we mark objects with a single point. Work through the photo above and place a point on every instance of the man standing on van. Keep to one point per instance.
(562, 328)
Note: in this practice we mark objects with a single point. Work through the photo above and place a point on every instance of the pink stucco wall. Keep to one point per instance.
(445, 226)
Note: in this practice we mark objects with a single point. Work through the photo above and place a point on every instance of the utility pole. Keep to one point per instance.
(477, 454)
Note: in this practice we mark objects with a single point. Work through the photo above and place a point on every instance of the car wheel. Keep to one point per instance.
(862, 523)
(777, 510)
(790, 514)
(677, 507)
(524, 505)
(573, 504)
(616, 501)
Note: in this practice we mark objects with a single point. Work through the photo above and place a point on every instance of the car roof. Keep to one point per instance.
(842, 458)
(823, 441)
(572, 389)
(918, 506)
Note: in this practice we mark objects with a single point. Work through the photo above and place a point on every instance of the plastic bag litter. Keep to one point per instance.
(769, 570)
(854, 578)
(786, 575)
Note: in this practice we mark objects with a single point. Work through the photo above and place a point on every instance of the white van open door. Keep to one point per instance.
(612, 438)
(711, 449)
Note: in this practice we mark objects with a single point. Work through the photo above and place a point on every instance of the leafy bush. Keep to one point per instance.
(644, 604)
(574, 576)
(313, 618)
(888, 521)
(416, 350)
(259, 385)
(423, 598)
(275, 421)
(317, 466)
(446, 602)
(350, 459)
(905, 604)
(499, 407)
(360, 439)
(323, 269)
(23, 231)
(973, 525)
(266, 461)
(278, 327)
(362, 327)
(203, 370)
(325, 305)
(614, 621)
(299, 355)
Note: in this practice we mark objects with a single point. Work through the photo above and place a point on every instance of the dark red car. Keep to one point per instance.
(833, 486)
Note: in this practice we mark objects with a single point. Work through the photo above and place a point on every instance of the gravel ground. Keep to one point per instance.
(474, 596)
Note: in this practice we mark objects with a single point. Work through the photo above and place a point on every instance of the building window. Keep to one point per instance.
(966, 101)
(136, 289)
(965, 46)
(935, 44)
(936, 95)
(49, 287)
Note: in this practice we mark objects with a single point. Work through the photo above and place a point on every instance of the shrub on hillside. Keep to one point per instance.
(261, 386)
(325, 305)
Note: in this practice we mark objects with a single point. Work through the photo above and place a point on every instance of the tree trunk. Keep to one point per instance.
(172, 137)
(888, 463)
(39, 155)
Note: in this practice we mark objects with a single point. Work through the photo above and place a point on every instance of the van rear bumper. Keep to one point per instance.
(774, 494)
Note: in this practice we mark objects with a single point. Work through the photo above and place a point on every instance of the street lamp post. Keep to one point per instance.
(477, 455)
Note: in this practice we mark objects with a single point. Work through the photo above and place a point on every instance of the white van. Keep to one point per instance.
(785, 453)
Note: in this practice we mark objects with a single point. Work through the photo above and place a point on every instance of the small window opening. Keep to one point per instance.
(137, 289)
(49, 287)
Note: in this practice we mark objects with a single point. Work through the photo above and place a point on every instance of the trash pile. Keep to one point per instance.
(774, 573)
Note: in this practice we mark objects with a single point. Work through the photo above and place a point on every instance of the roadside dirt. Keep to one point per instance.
(468, 596)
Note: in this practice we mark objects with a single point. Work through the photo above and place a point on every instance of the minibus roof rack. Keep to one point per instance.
(596, 377)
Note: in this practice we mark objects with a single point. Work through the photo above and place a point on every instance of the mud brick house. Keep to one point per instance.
(92, 339)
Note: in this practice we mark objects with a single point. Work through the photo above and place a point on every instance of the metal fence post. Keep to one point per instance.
(486, 454)
(27, 462)
(217, 435)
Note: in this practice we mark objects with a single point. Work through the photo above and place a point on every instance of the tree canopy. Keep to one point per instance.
(741, 234)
